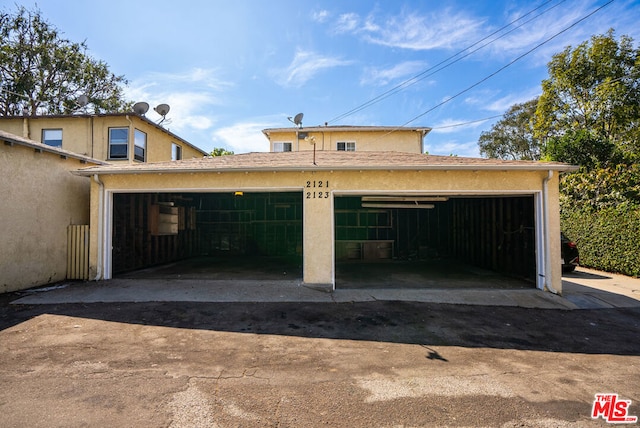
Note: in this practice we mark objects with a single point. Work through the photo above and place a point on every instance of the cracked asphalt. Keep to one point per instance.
(292, 364)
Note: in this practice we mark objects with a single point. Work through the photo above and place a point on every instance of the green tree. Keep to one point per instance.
(594, 87)
(43, 73)
(512, 137)
(581, 148)
(220, 151)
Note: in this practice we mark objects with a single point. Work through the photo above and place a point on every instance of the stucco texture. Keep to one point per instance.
(318, 233)
(40, 198)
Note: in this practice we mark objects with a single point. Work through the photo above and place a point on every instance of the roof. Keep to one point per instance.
(345, 128)
(324, 160)
(11, 139)
(87, 116)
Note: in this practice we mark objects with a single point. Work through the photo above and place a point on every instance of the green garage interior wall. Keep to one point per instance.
(496, 233)
(265, 224)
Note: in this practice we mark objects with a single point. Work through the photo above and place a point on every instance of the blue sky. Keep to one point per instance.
(229, 69)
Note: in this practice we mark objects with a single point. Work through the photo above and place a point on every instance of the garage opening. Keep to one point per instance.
(207, 235)
(435, 241)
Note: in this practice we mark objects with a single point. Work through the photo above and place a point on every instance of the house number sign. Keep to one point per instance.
(315, 189)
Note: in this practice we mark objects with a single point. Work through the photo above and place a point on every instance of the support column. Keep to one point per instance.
(318, 239)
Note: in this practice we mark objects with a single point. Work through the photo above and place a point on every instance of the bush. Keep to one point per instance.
(606, 238)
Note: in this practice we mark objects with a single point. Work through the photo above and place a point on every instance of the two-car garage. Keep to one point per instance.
(327, 217)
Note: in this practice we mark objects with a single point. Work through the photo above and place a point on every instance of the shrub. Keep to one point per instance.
(607, 238)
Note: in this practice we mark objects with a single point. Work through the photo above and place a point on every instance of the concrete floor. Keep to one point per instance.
(411, 275)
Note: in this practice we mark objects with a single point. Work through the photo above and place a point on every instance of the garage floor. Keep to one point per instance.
(419, 274)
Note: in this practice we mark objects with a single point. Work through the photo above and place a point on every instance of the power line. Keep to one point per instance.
(450, 60)
(455, 125)
(505, 66)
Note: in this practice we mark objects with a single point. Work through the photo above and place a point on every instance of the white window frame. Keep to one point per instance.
(46, 137)
(176, 152)
(119, 143)
(347, 146)
(139, 145)
(281, 146)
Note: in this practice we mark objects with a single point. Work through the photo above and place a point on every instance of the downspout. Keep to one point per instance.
(25, 128)
(92, 138)
(130, 151)
(100, 211)
(547, 249)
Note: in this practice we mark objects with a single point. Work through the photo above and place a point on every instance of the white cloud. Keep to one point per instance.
(245, 137)
(305, 66)
(454, 147)
(444, 29)
(320, 15)
(190, 94)
(383, 76)
(347, 23)
(450, 126)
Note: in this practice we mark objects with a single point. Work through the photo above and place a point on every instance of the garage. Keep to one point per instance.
(423, 240)
(331, 218)
(207, 232)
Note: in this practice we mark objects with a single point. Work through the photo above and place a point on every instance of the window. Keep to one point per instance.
(280, 146)
(176, 152)
(139, 146)
(52, 137)
(346, 146)
(118, 143)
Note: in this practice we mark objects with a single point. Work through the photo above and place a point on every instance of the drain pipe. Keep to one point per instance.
(100, 211)
(547, 249)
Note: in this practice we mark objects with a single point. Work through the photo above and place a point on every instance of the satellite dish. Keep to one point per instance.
(162, 109)
(297, 119)
(141, 108)
(83, 100)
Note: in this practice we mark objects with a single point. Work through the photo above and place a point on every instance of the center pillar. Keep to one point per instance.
(318, 236)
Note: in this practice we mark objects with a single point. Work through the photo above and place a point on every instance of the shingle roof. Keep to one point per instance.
(324, 160)
(11, 139)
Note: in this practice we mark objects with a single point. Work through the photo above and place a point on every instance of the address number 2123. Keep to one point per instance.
(317, 184)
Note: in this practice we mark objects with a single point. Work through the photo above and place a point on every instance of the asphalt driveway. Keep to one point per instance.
(289, 364)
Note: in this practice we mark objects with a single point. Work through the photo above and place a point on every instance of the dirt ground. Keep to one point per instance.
(368, 364)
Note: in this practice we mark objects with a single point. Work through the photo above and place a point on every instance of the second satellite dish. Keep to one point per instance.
(162, 109)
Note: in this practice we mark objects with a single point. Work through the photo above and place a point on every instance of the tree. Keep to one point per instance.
(581, 148)
(594, 87)
(43, 73)
(220, 151)
(512, 137)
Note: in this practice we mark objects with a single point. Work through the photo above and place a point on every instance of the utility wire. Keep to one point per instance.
(468, 122)
(502, 68)
(450, 60)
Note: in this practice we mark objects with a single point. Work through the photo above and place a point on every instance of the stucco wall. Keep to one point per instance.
(398, 141)
(89, 135)
(40, 198)
(319, 187)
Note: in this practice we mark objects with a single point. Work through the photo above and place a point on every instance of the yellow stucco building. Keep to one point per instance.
(116, 138)
(332, 203)
(326, 197)
(40, 198)
(347, 138)
(44, 206)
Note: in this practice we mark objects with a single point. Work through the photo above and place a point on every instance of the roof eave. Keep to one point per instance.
(53, 150)
(542, 167)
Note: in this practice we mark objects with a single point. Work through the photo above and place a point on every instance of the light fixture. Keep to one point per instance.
(404, 198)
(406, 205)
(238, 193)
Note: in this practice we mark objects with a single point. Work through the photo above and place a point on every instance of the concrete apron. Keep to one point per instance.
(584, 289)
